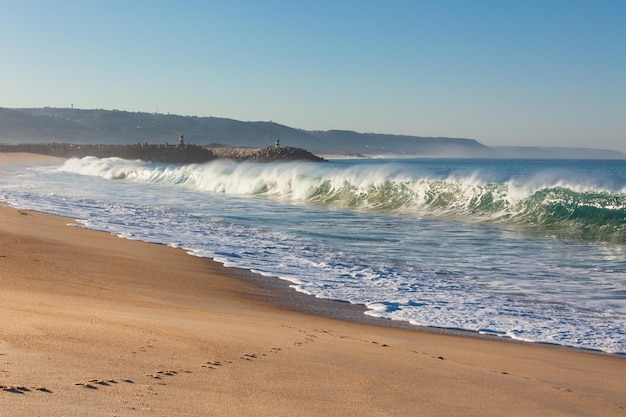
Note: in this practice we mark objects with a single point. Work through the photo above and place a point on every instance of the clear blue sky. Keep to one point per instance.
(504, 72)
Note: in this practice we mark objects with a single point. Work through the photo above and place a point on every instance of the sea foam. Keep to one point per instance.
(443, 243)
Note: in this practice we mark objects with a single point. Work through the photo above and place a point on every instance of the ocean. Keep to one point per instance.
(533, 250)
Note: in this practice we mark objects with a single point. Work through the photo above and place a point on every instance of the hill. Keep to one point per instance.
(45, 125)
(78, 126)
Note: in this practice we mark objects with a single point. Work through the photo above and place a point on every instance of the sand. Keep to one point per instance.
(95, 325)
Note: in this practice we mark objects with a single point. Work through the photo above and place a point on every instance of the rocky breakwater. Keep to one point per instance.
(179, 154)
(268, 154)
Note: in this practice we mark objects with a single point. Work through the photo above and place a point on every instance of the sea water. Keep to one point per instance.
(528, 249)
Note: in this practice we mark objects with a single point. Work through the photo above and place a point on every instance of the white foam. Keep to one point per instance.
(431, 273)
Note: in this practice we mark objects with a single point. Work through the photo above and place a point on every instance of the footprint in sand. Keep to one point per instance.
(251, 356)
(309, 338)
(14, 390)
(212, 364)
(94, 383)
(22, 390)
(160, 374)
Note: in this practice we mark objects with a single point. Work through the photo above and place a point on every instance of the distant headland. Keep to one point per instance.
(82, 127)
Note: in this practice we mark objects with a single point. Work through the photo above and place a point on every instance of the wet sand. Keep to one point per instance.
(92, 324)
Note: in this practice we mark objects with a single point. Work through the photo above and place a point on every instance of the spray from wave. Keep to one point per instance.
(576, 210)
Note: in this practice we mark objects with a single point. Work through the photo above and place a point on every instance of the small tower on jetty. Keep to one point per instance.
(278, 143)
(181, 141)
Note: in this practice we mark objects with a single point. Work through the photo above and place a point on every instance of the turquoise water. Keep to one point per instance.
(529, 249)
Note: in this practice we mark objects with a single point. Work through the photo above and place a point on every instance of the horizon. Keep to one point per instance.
(505, 74)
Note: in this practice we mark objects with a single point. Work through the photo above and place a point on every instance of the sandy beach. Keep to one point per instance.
(95, 325)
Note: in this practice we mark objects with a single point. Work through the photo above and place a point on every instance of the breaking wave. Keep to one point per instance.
(559, 209)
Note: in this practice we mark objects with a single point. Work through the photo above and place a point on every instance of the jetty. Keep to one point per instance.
(171, 154)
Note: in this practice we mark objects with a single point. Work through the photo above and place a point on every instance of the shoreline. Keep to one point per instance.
(281, 290)
(278, 292)
(94, 324)
(281, 293)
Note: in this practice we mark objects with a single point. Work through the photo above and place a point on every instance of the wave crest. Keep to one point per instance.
(558, 209)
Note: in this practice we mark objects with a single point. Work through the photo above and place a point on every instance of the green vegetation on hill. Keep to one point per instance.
(44, 125)
(77, 126)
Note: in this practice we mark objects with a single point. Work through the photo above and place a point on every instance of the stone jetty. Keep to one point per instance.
(173, 154)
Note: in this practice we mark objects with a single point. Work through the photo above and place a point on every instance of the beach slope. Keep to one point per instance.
(92, 324)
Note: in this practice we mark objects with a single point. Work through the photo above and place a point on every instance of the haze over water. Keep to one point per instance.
(528, 249)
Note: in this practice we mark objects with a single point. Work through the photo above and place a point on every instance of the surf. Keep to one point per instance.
(442, 243)
(574, 210)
